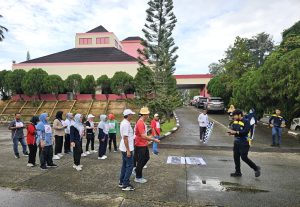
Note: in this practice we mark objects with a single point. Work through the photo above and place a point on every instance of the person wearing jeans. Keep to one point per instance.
(76, 134)
(277, 122)
(103, 128)
(59, 133)
(16, 126)
(155, 130)
(141, 145)
(31, 141)
(127, 148)
(44, 141)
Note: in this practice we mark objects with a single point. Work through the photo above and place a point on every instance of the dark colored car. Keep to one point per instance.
(200, 102)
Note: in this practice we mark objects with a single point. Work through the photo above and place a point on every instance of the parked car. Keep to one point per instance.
(193, 101)
(200, 102)
(214, 104)
(295, 124)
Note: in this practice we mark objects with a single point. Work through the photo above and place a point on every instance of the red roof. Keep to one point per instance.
(194, 76)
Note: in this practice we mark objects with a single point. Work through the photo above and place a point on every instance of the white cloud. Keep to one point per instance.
(203, 32)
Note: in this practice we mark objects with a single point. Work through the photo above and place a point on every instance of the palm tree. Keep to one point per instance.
(2, 29)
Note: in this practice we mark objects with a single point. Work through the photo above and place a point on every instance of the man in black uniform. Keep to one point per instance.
(240, 128)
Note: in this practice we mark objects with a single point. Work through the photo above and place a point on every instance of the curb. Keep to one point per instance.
(174, 129)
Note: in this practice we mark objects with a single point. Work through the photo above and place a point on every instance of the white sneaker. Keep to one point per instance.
(105, 156)
(78, 168)
(133, 172)
(83, 154)
(60, 155)
(102, 158)
(145, 167)
(94, 151)
(56, 157)
(29, 165)
(74, 166)
(87, 152)
(140, 180)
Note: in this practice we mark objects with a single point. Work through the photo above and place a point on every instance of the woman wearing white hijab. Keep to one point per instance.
(76, 135)
(103, 128)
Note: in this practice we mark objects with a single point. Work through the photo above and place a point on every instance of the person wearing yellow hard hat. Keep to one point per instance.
(141, 144)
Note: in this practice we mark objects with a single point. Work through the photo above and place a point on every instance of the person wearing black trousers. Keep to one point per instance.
(59, 133)
(103, 136)
(240, 128)
(68, 122)
(76, 134)
(90, 134)
(31, 141)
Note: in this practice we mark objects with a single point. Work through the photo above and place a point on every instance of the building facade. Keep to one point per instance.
(97, 52)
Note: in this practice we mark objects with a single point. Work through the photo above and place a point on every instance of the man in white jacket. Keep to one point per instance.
(203, 122)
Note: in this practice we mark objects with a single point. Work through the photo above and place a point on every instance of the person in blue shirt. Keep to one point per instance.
(240, 129)
(251, 116)
(45, 142)
(277, 122)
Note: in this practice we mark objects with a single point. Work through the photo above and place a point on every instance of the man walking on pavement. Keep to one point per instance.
(240, 129)
(277, 122)
(17, 134)
(141, 144)
(203, 122)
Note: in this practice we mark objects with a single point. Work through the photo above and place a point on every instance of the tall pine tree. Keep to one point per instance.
(159, 54)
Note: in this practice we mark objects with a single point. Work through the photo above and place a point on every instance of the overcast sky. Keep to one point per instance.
(204, 30)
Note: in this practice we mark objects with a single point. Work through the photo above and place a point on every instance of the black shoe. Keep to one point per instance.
(277, 145)
(273, 145)
(44, 168)
(17, 156)
(236, 174)
(128, 188)
(26, 154)
(53, 165)
(257, 172)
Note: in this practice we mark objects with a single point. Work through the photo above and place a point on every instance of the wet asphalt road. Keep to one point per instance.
(169, 185)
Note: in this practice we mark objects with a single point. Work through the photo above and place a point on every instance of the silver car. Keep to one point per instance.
(214, 104)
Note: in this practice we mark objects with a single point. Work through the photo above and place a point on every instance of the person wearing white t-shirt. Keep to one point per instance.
(127, 148)
(203, 122)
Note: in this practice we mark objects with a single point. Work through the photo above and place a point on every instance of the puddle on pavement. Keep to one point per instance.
(213, 184)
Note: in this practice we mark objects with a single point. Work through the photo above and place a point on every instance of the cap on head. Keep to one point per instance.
(90, 116)
(127, 112)
(144, 111)
(156, 115)
(237, 112)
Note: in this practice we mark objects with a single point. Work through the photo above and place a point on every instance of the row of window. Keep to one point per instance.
(88, 41)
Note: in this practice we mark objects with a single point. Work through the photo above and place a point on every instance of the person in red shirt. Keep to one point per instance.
(155, 127)
(31, 141)
(141, 144)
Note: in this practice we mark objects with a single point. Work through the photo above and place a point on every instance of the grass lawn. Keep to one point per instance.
(167, 126)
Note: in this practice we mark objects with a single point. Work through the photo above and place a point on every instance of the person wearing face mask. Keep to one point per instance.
(240, 129)
(103, 128)
(76, 135)
(68, 122)
(17, 134)
(45, 142)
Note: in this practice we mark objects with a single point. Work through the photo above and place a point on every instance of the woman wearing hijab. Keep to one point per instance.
(31, 141)
(59, 133)
(44, 141)
(76, 134)
(68, 122)
(112, 133)
(103, 128)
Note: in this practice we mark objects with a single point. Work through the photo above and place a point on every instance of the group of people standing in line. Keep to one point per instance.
(68, 134)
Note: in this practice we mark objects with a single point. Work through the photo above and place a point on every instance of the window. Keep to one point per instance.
(102, 40)
(85, 41)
